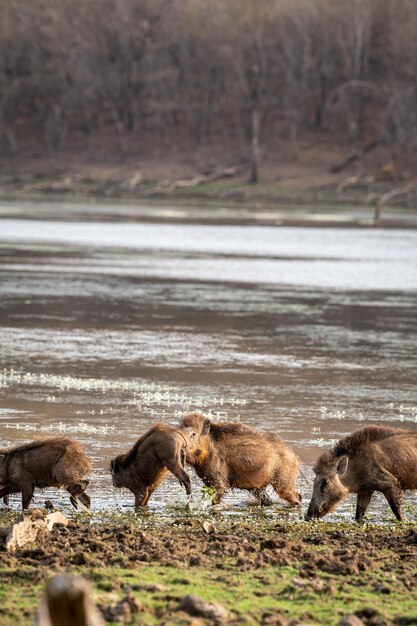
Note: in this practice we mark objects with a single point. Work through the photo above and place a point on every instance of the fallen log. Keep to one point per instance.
(167, 186)
(381, 199)
(335, 169)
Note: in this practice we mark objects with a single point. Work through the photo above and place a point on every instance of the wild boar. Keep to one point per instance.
(162, 449)
(374, 458)
(54, 462)
(229, 455)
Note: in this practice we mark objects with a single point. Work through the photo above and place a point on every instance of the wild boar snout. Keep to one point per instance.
(328, 491)
(311, 514)
(3, 476)
(115, 473)
(315, 509)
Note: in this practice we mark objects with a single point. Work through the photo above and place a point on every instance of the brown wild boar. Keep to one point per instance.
(162, 449)
(374, 458)
(229, 454)
(54, 462)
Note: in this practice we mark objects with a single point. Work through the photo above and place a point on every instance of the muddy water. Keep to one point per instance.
(109, 326)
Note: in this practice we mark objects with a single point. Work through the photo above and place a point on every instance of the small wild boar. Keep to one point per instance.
(162, 449)
(374, 458)
(54, 462)
(229, 454)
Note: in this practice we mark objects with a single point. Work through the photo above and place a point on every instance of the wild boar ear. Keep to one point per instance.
(342, 465)
(206, 427)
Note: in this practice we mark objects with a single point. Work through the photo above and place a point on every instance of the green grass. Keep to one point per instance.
(247, 594)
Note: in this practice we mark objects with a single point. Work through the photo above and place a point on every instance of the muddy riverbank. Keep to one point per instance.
(261, 571)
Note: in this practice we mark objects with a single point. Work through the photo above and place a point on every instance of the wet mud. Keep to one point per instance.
(315, 560)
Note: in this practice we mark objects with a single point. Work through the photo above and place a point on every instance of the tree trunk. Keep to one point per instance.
(255, 152)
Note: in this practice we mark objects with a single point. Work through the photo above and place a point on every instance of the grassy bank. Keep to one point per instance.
(259, 570)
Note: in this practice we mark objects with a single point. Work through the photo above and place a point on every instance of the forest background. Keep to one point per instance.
(170, 89)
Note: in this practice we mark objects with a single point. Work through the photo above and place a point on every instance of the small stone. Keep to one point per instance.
(208, 528)
(274, 619)
(194, 560)
(193, 605)
(120, 612)
(351, 620)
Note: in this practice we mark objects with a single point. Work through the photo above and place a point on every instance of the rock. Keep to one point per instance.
(351, 620)
(193, 605)
(122, 611)
(194, 560)
(30, 530)
(208, 528)
(274, 619)
(367, 613)
(55, 518)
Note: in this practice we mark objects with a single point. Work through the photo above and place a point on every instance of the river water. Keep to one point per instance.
(109, 325)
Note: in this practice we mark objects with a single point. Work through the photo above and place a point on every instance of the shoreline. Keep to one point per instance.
(211, 211)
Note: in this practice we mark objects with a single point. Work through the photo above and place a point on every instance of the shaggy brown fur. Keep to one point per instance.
(53, 462)
(162, 449)
(227, 455)
(374, 458)
(351, 443)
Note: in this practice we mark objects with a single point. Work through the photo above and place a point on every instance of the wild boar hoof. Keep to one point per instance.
(74, 502)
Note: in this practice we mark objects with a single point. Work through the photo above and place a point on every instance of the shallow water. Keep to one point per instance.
(107, 327)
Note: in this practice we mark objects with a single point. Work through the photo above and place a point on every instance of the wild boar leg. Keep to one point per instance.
(5, 492)
(180, 474)
(220, 491)
(141, 497)
(394, 495)
(389, 486)
(363, 500)
(286, 493)
(262, 497)
(77, 490)
(85, 499)
(27, 495)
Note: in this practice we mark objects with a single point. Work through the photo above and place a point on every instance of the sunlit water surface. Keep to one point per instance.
(108, 327)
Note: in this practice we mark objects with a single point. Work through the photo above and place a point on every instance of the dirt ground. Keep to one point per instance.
(258, 571)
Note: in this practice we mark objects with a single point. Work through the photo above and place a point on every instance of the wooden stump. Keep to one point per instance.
(67, 602)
